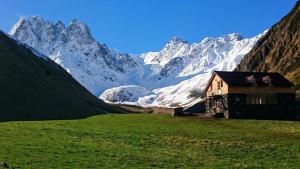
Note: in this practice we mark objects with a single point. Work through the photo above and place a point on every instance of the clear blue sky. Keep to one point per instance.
(136, 26)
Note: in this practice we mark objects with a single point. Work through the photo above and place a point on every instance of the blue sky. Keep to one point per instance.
(136, 26)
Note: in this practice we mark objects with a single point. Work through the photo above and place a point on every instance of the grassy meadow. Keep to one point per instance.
(150, 141)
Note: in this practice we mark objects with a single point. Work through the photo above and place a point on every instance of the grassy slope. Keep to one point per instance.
(150, 141)
(36, 88)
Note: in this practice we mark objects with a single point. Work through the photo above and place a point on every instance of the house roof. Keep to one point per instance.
(249, 79)
(244, 78)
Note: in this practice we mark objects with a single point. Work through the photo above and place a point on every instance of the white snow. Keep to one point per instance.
(92, 64)
(164, 78)
(179, 69)
(129, 94)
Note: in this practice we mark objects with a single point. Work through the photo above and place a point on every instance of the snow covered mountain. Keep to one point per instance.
(92, 64)
(180, 71)
(171, 77)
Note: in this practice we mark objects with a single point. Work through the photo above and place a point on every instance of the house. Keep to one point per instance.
(250, 95)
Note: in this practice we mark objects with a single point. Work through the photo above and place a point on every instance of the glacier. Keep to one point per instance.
(174, 76)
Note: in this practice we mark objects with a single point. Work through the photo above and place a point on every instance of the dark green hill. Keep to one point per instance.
(36, 88)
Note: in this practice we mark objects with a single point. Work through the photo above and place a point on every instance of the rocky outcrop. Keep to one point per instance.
(278, 50)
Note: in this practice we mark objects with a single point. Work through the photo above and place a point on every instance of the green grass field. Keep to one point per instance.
(150, 141)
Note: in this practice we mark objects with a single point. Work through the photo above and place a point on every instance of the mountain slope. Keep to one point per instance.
(171, 76)
(278, 50)
(92, 64)
(34, 87)
(178, 73)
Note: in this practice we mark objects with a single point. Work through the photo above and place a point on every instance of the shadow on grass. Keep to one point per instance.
(46, 115)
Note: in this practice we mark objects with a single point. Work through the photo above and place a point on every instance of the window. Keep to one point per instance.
(261, 99)
(257, 99)
(254, 99)
(221, 83)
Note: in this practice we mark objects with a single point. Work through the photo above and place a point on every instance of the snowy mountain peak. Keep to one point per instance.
(183, 69)
(224, 38)
(36, 27)
(79, 31)
(177, 40)
(21, 19)
(60, 25)
(74, 20)
(93, 64)
(35, 18)
(20, 22)
(169, 77)
(232, 37)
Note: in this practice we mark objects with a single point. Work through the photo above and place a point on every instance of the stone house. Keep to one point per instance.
(258, 95)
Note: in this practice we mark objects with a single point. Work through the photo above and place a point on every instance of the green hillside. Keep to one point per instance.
(150, 141)
(32, 87)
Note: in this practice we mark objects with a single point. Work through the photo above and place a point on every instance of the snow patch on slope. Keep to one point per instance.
(129, 94)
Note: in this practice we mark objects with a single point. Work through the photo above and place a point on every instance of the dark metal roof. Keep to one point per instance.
(260, 79)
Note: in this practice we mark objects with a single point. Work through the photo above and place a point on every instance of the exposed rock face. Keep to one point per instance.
(278, 50)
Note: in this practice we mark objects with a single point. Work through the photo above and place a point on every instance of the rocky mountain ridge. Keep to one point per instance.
(278, 50)
(170, 75)
(74, 48)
